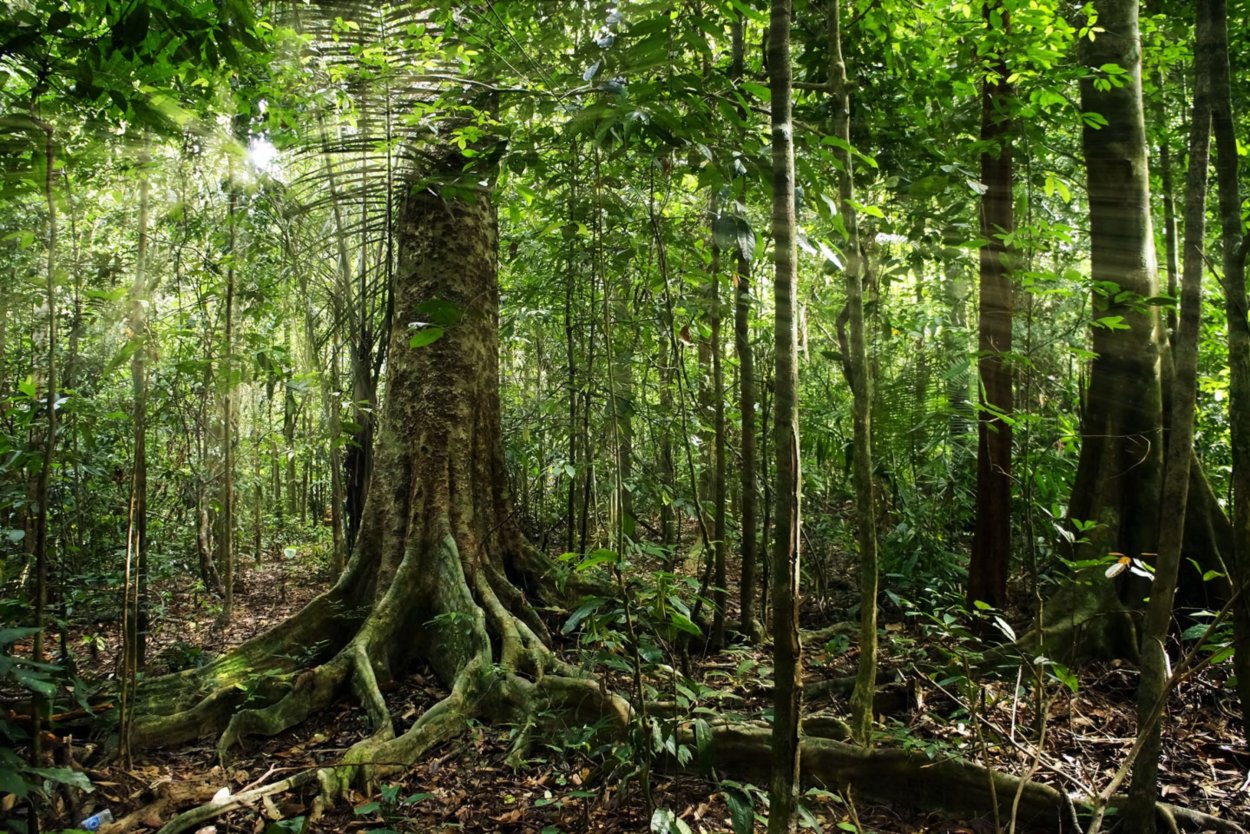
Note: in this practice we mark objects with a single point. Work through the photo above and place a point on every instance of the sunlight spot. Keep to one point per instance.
(262, 154)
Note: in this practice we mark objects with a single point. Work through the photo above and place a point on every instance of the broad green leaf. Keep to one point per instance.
(741, 814)
(64, 776)
(425, 337)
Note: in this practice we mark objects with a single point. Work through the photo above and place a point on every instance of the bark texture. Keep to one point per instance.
(787, 674)
(991, 542)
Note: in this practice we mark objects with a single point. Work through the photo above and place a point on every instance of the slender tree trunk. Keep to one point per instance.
(338, 491)
(860, 376)
(134, 612)
(290, 408)
(258, 483)
(1236, 244)
(570, 347)
(746, 393)
(1169, 225)
(668, 469)
(1152, 685)
(227, 417)
(720, 575)
(43, 487)
(748, 593)
(787, 650)
(991, 542)
(138, 372)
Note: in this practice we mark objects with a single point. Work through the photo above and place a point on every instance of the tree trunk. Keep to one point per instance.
(134, 614)
(720, 575)
(43, 483)
(432, 574)
(748, 524)
(1152, 685)
(784, 786)
(1235, 246)
(138, 372)
(991, 542)
(669, 522)
(748, 593)
(226, 539)
(859, 374)
(1169, 225)
(1119, 473)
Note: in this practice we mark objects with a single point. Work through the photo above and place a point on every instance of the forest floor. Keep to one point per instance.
(472, 785)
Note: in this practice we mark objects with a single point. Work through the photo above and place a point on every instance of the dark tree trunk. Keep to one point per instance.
(138, 614)
(747, 592)
(991, 542)
(720, 575)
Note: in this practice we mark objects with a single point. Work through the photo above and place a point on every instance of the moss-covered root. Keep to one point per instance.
(312, 690)
(378, 756)
(911, 779)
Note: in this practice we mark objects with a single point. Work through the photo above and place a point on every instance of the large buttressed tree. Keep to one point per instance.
(429, 578)
(437, 568)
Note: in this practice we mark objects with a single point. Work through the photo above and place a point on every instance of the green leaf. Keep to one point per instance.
(12, 635)
(12, 782)
(64, 776)
(808, 818)
(683, 623)
(1111, 323)
(733, 233)
(1005, 628)
(741, 814)
(295, 825)
(1195, 631)
(425, 337)
(758, 90)
(442, 313)
(1222, 655)
(596, 557)
(665, 821)
(583, 611)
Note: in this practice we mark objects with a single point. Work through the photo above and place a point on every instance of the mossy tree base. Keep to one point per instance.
(432, 574)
